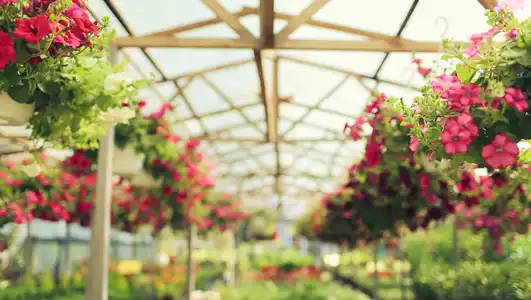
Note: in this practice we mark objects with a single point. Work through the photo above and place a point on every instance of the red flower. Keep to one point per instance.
(373, 152)
(467, 183)
(69, 38)
(34, 60)
(33, 30)
(374, 107)
(355, 129)
(501, 153)
(7, 50)
(191, 145)
(141, 104)
(516, 98)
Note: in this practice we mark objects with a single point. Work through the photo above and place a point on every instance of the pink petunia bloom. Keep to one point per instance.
(445, 83)
(516, 98)
(512, 34)
(458, 133)
(501, 152)
(511, 5)
(464, 97)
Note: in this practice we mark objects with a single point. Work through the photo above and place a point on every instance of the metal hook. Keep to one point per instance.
(444, 22)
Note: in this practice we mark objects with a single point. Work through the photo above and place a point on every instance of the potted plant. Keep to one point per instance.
(261, 227)
(474, 117)
(54, 74)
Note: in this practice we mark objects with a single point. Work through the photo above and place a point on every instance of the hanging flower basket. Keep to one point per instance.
(14, 113)
(126, 161)
(143, 179)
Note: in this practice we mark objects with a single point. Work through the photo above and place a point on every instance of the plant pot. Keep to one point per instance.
(14, 113)
(127, 161)
(143, 179)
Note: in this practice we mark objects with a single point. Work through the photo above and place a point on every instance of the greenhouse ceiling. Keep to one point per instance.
(268, 85)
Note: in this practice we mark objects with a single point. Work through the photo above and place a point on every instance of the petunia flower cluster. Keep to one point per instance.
(44, 29)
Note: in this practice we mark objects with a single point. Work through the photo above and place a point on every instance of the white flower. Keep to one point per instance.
(211, 295)
(116, 82)
(197, 295)
(114, 116)
(31, 170)
(90, 62)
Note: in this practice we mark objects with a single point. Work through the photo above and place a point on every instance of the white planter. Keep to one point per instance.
(143, 179)
(14, 113)
(127, 161)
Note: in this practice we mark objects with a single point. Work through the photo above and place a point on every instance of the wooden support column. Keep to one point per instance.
(97, 285)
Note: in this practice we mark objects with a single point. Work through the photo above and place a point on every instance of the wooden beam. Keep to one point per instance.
(267, 23)
(174, 42)
(332, 26)
(229, 19)
(488, 4)
(263, 91)
(209, 70)
(366, 46)
(200, 24)
(260, 141)
(221, 43)
(295, 22)
(273, 104)
(343, 29)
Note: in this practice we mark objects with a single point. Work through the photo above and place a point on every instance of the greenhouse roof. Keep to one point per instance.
(268, 85)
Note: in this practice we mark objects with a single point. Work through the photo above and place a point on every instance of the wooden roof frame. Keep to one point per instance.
(263, 47)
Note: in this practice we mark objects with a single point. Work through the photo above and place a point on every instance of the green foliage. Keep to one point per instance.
(306, 290)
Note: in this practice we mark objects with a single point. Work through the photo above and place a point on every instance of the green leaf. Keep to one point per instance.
(50, 88)
(11, 73)
(21, 93)
(464, 72)
(41, 99)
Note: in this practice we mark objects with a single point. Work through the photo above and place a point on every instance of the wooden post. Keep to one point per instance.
(402, 273)
(97, 285)
(455, 244)
(376, 275)
(65, 266)
(190, 276)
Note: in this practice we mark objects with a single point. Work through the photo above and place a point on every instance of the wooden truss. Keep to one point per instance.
(268, 98)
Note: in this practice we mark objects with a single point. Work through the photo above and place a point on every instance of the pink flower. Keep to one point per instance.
(458, 133)
(413, 144)
(512, 34)
(192, 144)
(516, 98)
(465, 96)
(206, 182)
(424, 71)
(445, 83)
(501, 153)
(33, 30)
(511, 5)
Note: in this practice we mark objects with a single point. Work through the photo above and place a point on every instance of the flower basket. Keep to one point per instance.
(127, 162)
(14, 113)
